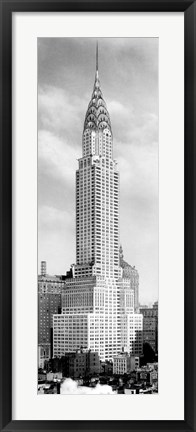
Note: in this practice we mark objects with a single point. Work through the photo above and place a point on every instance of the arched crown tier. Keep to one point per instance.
(97, 116)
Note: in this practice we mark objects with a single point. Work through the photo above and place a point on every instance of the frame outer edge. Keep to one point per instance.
(1, 216)
(190, 212)
(5, 217)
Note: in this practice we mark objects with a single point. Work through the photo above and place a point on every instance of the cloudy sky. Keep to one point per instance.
(128, 70)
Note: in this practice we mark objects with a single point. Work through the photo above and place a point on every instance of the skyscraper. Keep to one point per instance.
(97, 192)
(131, 273)
(49, 303)
(97, 304)
(150, 325)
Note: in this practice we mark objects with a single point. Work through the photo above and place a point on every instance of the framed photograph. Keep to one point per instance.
(97, 210)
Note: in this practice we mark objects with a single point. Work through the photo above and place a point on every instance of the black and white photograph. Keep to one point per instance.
(98, 216)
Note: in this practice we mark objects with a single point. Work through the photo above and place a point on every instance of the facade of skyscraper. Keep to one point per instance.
(49, 303)
(131, 273)
(97, 303)
(150, 325)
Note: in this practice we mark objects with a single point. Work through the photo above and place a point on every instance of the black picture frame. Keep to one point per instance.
(7, 8)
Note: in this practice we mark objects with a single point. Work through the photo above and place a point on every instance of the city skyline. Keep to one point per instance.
(61, 113)
(98, 311)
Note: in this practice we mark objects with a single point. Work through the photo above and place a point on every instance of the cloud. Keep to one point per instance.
(128, 69)
(117, 109)
(61, 113)
(71, 387)
(144, 130)
(131, 126)
(57, 156)
(56, 234)
(49, 217)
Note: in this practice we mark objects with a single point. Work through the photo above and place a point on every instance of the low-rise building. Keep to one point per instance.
(147, 375)
(150, 325)
(131, 391)
(124, 363)
(54, 376)
(76, 364)
(49, 303)
(41, 376)
(106, 368)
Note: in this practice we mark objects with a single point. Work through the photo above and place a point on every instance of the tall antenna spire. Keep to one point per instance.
(97, 56)
(97, 74)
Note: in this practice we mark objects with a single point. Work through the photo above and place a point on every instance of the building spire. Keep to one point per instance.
(97, 53)
(97, 116)
(97, 56)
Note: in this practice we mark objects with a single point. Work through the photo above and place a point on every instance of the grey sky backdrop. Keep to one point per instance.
(128, 70)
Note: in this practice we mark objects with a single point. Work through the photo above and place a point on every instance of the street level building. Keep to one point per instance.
(149, 376)
(51, 376)
(98, 303)
(49, 303)
(76, 364)
(124, 363)
(150, 325)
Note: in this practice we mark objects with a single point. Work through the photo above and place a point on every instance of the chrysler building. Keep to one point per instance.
(97, 302)
(97, 193)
